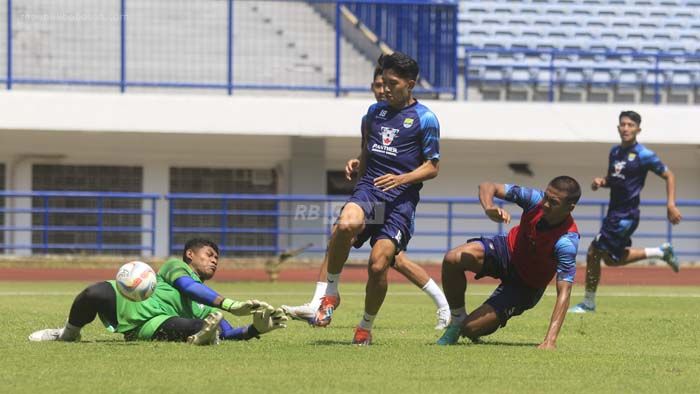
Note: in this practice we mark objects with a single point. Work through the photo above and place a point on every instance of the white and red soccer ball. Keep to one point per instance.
(136, 280)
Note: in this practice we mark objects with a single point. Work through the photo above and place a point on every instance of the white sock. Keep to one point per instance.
(653, 252)
(458, 316)
(70, 332)
(433, 290)
(318, 293)
(367, 321)
(332, 280)
(589, 298)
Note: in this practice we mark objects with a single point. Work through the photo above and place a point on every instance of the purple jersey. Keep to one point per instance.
(398, 142)
(627, 171)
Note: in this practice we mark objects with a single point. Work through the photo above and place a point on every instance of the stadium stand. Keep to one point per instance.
(281, 43)
(592, 50)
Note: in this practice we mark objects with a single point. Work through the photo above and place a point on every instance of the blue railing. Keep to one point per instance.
(553, 68)
(267, 224)
(231, 45)
(304, 218)
(30, 221)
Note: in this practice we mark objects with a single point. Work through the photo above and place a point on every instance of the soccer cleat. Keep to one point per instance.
(50, 334)
(329, 303)
(443, 318)
(670, 257)
(302, 312)
(209, 334)
(362, 337)
(450, 336)
(581, 308)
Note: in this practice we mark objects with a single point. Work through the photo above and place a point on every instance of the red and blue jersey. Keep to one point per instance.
(538, 250)
(627, 172)
(398, 142)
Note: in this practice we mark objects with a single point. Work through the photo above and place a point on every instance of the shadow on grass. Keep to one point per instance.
(501, 343)
(331, 342)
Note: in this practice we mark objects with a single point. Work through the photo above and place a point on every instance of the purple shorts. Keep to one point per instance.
(392, 220)
(512, 297)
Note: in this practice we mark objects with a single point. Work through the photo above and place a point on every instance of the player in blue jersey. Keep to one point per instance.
(412, 271)
(400, 151)
(542, 246)
(628, 166)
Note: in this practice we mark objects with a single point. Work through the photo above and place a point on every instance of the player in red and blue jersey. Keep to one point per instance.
(628, 165)
(400, 151)
(542, 246)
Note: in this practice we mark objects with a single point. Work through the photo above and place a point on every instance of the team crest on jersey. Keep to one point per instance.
(618, 167)
(382, 114)
(631, 156)
(388, 134)
(407, 123)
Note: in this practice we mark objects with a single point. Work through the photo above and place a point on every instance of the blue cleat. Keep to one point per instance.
(581, 308)
(450, 336)
(670, 257)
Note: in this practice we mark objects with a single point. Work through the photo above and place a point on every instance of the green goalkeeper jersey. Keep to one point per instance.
(144, 318)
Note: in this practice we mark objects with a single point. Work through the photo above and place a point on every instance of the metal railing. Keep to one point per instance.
(553, 68)
(69, 221)
(316, 45)
(441, 223)
(268, 224)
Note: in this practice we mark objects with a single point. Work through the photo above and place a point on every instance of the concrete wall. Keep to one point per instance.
(303, 138)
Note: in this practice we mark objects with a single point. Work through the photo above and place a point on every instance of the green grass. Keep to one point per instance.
(642, 339)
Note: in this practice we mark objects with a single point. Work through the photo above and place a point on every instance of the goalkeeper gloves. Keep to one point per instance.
(243, 308)
(269, 319)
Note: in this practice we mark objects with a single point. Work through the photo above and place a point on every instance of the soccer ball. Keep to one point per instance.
(136, 280)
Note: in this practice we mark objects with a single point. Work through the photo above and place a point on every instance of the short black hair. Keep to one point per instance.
(377, 72)
(569, 185)
(636, 118)
(400, 63)
(196, 244)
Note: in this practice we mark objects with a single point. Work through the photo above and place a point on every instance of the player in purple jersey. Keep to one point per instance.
(628, 165)
(400, 151)
(412, 271)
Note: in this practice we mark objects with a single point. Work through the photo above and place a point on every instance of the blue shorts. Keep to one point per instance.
(392, 220)
(512, 297)
(616, 232)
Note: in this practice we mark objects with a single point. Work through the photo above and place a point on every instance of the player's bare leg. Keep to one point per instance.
(419, 277)
(350, 223)
(467, 257)
(631, 255)
(380, 259)
(481, 322)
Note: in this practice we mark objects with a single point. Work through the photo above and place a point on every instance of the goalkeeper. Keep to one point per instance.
(181, 309)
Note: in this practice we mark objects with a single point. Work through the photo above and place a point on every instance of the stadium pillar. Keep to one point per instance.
(156, 180)
(19, 178)
(307, 175)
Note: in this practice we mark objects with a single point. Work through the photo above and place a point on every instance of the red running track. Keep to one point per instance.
(656, 276)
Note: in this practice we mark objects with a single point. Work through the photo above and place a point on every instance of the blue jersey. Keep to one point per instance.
(627, 171)
(566, 248)
(398, 142)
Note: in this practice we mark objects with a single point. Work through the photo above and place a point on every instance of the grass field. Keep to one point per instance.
(642, 339)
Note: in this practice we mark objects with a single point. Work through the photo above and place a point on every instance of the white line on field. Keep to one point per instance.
(357, 294)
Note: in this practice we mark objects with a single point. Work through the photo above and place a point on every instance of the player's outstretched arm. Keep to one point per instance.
(428, 170)
(672, 212)
(487, 191)
(202, 293)
(558, 315)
